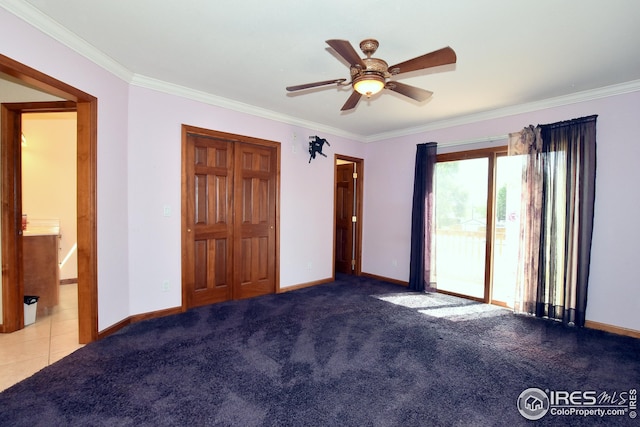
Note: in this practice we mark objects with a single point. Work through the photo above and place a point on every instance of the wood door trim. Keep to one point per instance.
(13, 312)
(490, 227)
(359, 200)
(471, 154)
(87, 141)
(41, 81)
(185, 210)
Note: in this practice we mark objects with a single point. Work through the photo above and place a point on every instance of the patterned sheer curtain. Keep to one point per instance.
(558, 194)
(528, 144)
(421, 274)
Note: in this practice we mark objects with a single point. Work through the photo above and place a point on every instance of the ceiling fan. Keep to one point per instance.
(370, 75)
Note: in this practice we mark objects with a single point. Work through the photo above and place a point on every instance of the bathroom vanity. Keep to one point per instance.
(40, 247)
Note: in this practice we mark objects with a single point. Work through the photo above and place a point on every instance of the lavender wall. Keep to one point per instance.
(139, 175)
(306, 204)
(31, 47)
(614, 292)
(139, 137)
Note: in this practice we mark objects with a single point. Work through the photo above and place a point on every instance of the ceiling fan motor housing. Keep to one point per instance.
(374, 66)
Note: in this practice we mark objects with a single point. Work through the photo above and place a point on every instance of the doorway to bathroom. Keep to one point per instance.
(86, 171)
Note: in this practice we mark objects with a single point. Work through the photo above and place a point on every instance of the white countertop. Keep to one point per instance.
(41, 231)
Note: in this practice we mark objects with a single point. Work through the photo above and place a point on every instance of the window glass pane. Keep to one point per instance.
(507, 228)
(461, 220)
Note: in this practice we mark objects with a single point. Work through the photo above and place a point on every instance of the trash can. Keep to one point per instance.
(30, 308)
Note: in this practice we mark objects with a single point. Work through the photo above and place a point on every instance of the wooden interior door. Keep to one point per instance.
(344, 218)
(209, 223)
(255, 220)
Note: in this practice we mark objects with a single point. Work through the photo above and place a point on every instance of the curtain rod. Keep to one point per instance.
(475, 140)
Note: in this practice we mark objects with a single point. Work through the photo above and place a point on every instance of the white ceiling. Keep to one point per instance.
(241, 54)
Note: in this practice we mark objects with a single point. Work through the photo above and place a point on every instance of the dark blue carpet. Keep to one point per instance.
(355, 352)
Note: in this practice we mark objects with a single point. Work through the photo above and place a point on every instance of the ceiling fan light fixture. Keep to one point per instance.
(370, 75)
(368, 84)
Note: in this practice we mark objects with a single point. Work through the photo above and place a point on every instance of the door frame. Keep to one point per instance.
(186, 210)
(86, 107)
(359, 189)
(491, 154)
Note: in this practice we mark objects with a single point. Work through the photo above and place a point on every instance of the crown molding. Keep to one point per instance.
(207, 98)
(53, 29)
(50, 27)
(44, 23)
(574, 98)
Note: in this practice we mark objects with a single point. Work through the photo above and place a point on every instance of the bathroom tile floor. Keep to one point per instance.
(49, 339)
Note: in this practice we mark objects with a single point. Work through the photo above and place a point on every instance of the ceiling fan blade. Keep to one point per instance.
(444, 56)
(316, 84)
(347, 51)
(410, 91)
(352, 101)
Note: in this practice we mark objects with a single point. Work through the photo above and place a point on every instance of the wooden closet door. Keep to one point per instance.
(230, 191)
(255, 192)
(208, 249)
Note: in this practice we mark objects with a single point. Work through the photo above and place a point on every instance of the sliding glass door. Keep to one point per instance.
(461, 226)
(477, 210)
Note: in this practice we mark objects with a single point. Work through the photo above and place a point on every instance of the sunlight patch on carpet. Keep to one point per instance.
(466, 312)
(444, 306)
(412, 300)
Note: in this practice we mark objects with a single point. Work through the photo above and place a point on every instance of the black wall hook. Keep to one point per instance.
(315, 146)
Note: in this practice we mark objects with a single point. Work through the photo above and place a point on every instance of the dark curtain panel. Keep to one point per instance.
(568, 196)
(420, 271)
